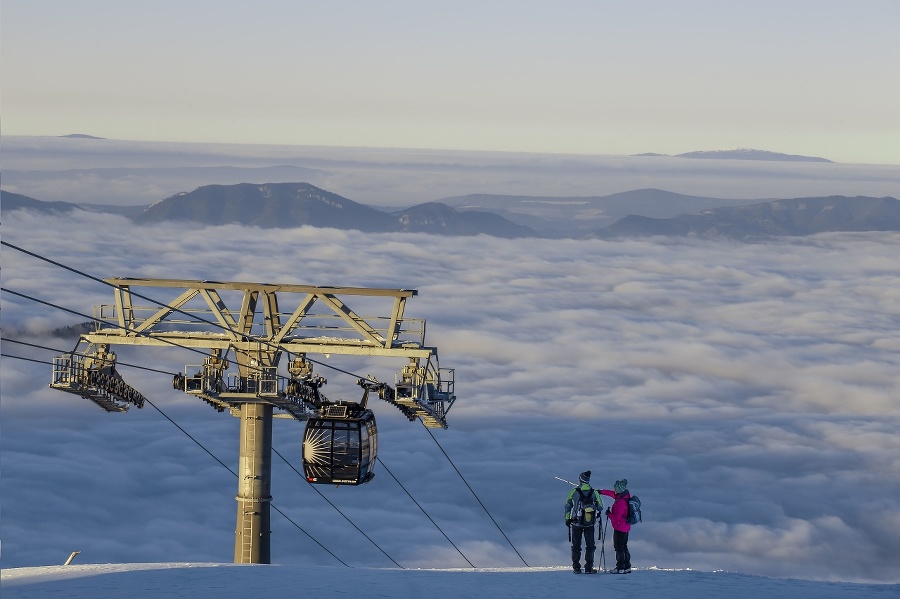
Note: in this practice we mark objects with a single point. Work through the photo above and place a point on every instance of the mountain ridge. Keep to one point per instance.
(280, 205)
(786, 217)
(750, 154)
(741, 154)
(637, 213)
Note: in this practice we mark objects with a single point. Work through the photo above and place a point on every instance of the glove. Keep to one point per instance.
(568, 522)
(608, 513)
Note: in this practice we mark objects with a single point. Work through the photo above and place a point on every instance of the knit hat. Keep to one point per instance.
(585, 477)
(621, 485)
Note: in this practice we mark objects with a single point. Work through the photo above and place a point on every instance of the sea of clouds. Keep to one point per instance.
(748, 392)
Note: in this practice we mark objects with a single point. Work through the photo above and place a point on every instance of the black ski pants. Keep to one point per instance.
(620, 544)
(590, 546)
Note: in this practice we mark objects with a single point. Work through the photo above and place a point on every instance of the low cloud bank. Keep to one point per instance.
(747, 391)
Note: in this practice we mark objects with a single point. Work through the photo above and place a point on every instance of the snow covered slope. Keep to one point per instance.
(222, 581)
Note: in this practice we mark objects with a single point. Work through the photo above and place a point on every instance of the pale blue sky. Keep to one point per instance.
(816, 77)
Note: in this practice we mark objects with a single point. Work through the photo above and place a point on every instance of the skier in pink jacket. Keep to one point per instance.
(617, 514)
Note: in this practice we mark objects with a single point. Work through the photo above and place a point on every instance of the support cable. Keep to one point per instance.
(23, 358)
(345, 372)
(195, 317)
(278, 453)
(313, 539)
(477, 499)
(94, 319)
(245, 336)
(34, 345)
(277, 509)
(191, 437)
(203, 447)
(198, 443)
(83, 315)
(426, 514)
(229, 469)
(65, 351)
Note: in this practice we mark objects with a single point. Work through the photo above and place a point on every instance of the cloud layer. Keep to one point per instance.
(747, 391)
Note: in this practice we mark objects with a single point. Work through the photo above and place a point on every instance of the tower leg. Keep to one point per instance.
(251, 542)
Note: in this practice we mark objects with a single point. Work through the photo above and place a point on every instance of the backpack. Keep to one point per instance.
(634, 510)
(584, 508)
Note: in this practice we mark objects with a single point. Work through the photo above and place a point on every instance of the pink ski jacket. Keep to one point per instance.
(619, 510)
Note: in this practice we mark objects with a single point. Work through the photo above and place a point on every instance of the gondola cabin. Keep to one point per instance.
(340, 445)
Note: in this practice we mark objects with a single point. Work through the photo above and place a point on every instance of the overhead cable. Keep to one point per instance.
(219, 325)
(426, 514)
(195, 317)
(477, 499)
(278, 453)
(203, 447)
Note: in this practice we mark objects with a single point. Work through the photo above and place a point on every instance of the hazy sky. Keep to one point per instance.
(748, 392)
(814, 77)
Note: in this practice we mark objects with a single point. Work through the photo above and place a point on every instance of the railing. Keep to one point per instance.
(107, 390)
(68, 371)
(411, 330)
(265, 382)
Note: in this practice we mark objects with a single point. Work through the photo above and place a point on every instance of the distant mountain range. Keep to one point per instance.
(273, 205)
(296, 204)
(573, 216)
(747, 154)
(737, 154)
(744, 154)
(81, 136)
(638, 213)
(799, 216)
(16, 201)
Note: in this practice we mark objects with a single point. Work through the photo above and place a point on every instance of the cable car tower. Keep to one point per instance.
(246, 323)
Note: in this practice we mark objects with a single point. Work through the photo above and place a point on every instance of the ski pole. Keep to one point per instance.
(603, 544)
(569, 528)
(566, 481)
